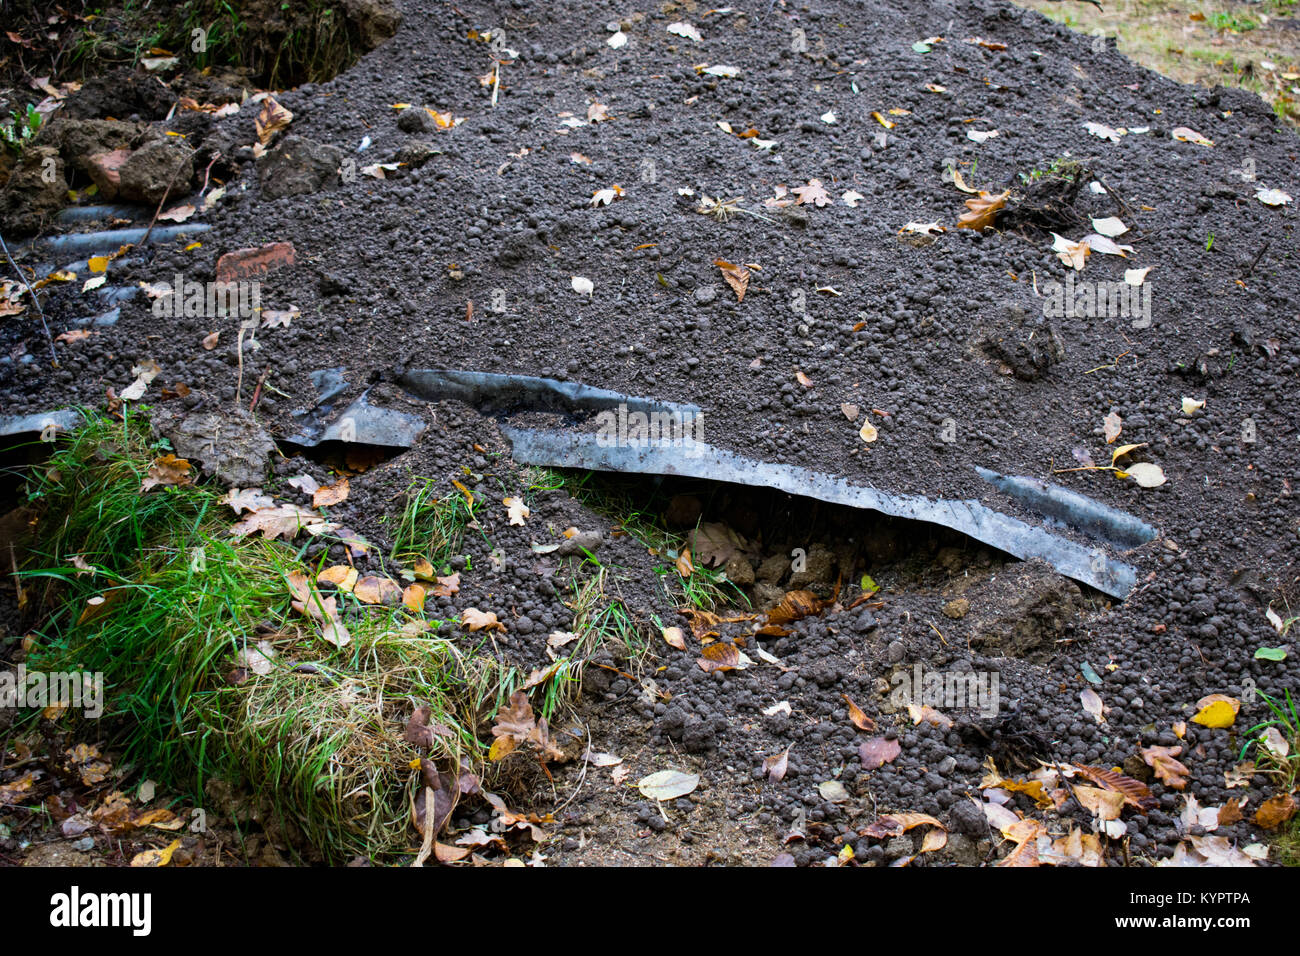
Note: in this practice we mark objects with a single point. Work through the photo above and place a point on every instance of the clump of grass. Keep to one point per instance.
(319, 735)
(431, 526)
(1285, 769)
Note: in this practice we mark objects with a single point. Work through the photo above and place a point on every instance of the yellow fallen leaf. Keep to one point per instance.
(1216, 711)
(156, 857)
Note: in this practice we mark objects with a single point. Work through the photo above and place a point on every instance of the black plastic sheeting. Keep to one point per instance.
(586, 450)
(361, 422)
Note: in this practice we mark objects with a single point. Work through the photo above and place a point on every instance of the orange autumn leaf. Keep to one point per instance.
(719, 657)
(983, 209)
(858, 716)
(333, 494)
(736, 276)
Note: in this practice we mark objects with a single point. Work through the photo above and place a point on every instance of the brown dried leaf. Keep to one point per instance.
(983, 210)
(272, 118)
(856, 714)
(877, 752)
(794, 606)
(1136, 793)
(477, 620)
(168, 470)
(376, 590)
(331, 494)
(736, 276)
(1275, 811)
(1169, 771)
(719, 657)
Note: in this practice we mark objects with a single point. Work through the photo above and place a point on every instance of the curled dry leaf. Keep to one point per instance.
(271, 119)
(477, 620)
(925, 712)
(1275, 811)
(982, 210)
(736, 276)
(1185, 134)
(858, 716)
(794, 606)
(776, 765)
(719, 657)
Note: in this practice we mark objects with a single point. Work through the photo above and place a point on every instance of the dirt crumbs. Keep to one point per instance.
(893, 244)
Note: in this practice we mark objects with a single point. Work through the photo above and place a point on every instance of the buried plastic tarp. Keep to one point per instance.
(361, 422)
(695, 459)
(65, 419)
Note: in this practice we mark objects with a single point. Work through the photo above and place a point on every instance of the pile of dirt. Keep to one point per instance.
(438, 199)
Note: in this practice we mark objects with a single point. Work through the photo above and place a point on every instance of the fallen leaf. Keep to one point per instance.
(685, 30)
(719, 657)
(477, 620)
(177, 213)
(736, 276)
(271, 119)
(516, 510)
(775, 766)
(341, 576)
(1092, 704)
(1187, 135)
(1110, 227)
(333, 494)
(814, 192)
(1216, 711)
(856, 714)
(877, 752)
(156, 857)
(1073, 254)
(1112, 425)
(675, 637)
(1272, 197)
(668, 784)
(1168, 770)
(169, 471)
(983, 210)
(1275, 811)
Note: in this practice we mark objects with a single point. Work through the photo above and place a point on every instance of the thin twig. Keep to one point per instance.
(36, 302)
(157, 212)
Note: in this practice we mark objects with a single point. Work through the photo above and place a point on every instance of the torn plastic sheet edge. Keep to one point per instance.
(583, 450)
(505, 392)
